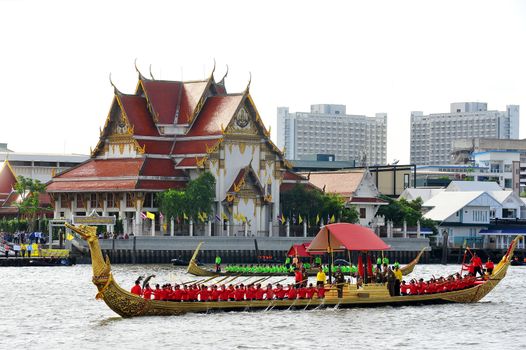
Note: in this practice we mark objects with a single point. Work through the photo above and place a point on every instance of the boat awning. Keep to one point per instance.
(299, 250)
(506, 232)
(344, 236)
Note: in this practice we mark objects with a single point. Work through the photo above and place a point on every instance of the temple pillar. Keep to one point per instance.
(191, 227)
(172, 228)
(287, 228)
(304, 229)
(418, 229)
(405, 229)
(209, 228)
(270, 229)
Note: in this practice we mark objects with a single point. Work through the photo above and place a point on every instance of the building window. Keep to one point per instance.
(110, 200)
(406, 180)
(80, 201)
(93, 200)
(129, 200)
(147, 200)
(362, 213)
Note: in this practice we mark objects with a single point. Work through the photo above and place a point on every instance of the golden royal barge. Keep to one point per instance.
(127, 304)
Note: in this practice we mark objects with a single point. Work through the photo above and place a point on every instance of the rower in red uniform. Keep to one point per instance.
(321, 292)
(250, 292)
(231, 293)
(280, 292)
(157, 292)
(192, 293)
(204, 294)
(136, 289)
(310, 290)
(291, 292)
(224, 293)
(259, 292)
(269, 293)
(177, 294)
(185, 296)
(239, 294)
(302, 292)
(147, 293)
(214, 294)
(298, 277)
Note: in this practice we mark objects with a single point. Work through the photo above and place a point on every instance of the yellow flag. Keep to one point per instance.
(203, 217)
(150, 216)
(69, 237)
(283, 219)
(300, 219)
(223, 215)
(317, 218)
(332, 218)
(185, 216)
(243, 218)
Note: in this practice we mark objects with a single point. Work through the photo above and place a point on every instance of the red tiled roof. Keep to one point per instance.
(191, 95)
(160, 185)
(156, 146)
(187, 162)
(88, 186)
(217, 111)
(164, 96)
(193, 147)
(160, 167)
(137, 112)
(105, 168)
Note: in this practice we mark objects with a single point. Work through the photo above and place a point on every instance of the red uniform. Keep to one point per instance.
(291, 293)
(310, 292)
(177, 295)
(259, 293)
(157, 294)
(298, 276)
(321, 292)
(224, 294)
(214, 294)
(302, 293)
(280, 292)
(239, 294)
(250, 293)
(204, 294)
(147, 293)
(136, 289)
(269, 294)
(185, 295)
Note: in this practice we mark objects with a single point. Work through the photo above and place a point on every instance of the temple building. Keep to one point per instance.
(165, 134)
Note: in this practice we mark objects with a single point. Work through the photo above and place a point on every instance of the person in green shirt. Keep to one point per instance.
(218, 264)
(317, 260)
(287, 262)
(385, 260)
(379, 262)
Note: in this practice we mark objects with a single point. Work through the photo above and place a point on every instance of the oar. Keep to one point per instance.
(281, 280)
(234, 278)
(222, 279)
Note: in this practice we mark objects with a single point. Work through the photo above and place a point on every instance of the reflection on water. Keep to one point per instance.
(55, 308)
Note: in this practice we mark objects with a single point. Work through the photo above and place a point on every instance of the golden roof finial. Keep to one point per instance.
(222, 81)
(249, 81)
(141, 77)
(151, 75)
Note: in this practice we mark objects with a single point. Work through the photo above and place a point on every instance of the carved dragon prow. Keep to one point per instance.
(101, 267)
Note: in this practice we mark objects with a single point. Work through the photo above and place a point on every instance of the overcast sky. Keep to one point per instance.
(374, 56)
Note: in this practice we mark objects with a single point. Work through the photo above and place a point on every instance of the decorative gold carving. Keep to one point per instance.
(200, 162)
(253, 149)
(237, 187)
(121, 148)
(230, 197)
(242, 118)
(242, 147)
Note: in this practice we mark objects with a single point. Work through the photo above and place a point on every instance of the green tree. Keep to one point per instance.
(309, 203)
(399, 210)
(197, 197)
(29, 191)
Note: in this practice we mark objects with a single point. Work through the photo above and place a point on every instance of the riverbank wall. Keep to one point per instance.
(247, 250)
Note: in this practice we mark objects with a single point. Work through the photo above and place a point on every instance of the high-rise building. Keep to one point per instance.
(328, 133)
(432, 135)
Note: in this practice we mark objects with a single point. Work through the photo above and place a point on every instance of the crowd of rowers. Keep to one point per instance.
(261, 268)
(240, 292)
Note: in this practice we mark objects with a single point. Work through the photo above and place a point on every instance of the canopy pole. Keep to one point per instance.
(350, 263)
(330, 258)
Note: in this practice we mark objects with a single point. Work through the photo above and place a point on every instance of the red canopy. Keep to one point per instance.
(342, 236)
(299, 250)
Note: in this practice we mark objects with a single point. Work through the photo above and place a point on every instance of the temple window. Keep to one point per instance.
(129, 200)
(147, 200)
(93, 200)
(110, 200)
(79, 201)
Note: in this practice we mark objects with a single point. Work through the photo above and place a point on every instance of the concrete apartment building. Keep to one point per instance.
(432, 135)
(328, 133)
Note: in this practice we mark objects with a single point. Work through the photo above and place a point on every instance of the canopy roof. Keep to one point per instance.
(299, 250)
(344, 236)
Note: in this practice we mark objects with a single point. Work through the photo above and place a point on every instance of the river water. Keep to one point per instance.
(55, 308)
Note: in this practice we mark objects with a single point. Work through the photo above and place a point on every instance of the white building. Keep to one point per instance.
(328, 133)
(356, 187)
(39, 166)
(432, 135)
(460, 215)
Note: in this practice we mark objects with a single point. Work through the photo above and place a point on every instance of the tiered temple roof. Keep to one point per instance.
(153, 137)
